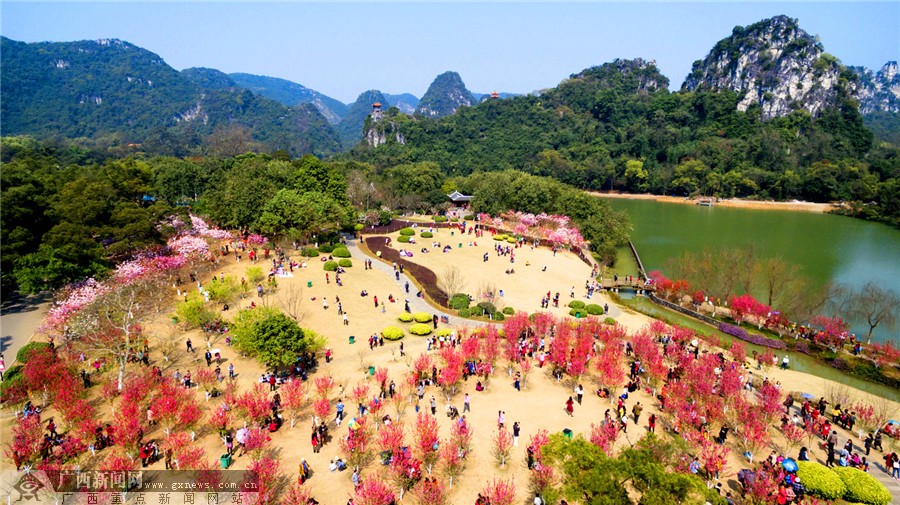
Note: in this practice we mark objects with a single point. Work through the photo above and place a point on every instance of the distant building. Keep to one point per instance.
(458, 198)
(376, 111)
(495, 95)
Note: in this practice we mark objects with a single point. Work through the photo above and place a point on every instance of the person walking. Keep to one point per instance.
(579, 393)
(636, 411)
(570, 407)
(501, 419)
(433, 406)
(651, 423)
(466, 403)
(231, 371)
(190, 346)
(516, 434)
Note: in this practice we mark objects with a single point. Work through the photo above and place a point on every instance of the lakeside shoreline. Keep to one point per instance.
(794, 205)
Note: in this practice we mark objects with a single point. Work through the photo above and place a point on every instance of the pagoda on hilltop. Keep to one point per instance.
(376, 111)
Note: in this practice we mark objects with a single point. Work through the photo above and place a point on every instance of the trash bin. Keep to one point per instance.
(309, 284)
(460, 245)
(352, 339)
(371, 370)
(577, 315)
(568, 433)
(225, 460)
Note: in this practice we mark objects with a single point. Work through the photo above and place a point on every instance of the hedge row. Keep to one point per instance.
(848, 483)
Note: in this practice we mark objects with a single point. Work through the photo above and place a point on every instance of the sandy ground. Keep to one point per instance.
(729, 202)
(540, 405)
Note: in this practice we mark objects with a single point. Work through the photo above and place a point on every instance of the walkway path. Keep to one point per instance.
(416, 304)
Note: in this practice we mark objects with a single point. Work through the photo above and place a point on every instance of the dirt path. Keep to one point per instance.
(794, 205)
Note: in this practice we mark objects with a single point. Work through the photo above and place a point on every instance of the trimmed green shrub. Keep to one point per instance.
(344, 262)
(326, 248)
(820, 481)
(426, 234)
(330, 266)
(577, 312)
(405, 317)
(444, 332)
(511, 240)
(358, 227)
(487, 308)
(593, 309)
(403, 238)
(454, 219)
(28, 349)
(496, 316)
(420, 329)
(464, 312)
(340, 252)
(392, 333)
(610, 321)
(440, 219)
(499, 237)
(459, 301)
(862, 487)
(509, 311)
(576, 304)
(469, 217)
(422, 317)
(309, 252)
(408, 232)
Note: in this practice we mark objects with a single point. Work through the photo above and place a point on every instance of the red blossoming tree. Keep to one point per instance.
(500, 491)
(373, 491)
(501, 445)
(426, 441)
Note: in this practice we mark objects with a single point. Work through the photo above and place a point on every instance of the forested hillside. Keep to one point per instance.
(617, 127)
(112, 93)
(70, 213)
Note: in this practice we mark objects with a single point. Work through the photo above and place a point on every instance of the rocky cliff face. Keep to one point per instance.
(773, 63)
(351, 127)
(446, 94)
(878, 91)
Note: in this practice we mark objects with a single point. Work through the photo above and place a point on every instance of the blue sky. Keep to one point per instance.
(342, 49)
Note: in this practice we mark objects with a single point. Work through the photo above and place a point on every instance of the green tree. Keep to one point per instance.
(272, 337)
(635, 175)
(301, 215)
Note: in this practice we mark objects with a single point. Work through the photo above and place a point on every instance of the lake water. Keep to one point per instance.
(829, 248)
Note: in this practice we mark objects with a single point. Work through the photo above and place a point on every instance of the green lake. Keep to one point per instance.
(829, 248)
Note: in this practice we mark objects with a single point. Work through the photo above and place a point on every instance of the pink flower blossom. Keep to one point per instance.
(188, 245)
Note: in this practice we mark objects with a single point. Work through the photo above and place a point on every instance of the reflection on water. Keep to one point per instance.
(829, 248)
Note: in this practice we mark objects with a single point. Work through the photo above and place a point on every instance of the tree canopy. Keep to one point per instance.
(272, 337)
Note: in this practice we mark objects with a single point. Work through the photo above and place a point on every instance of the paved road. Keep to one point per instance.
(19, 317)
